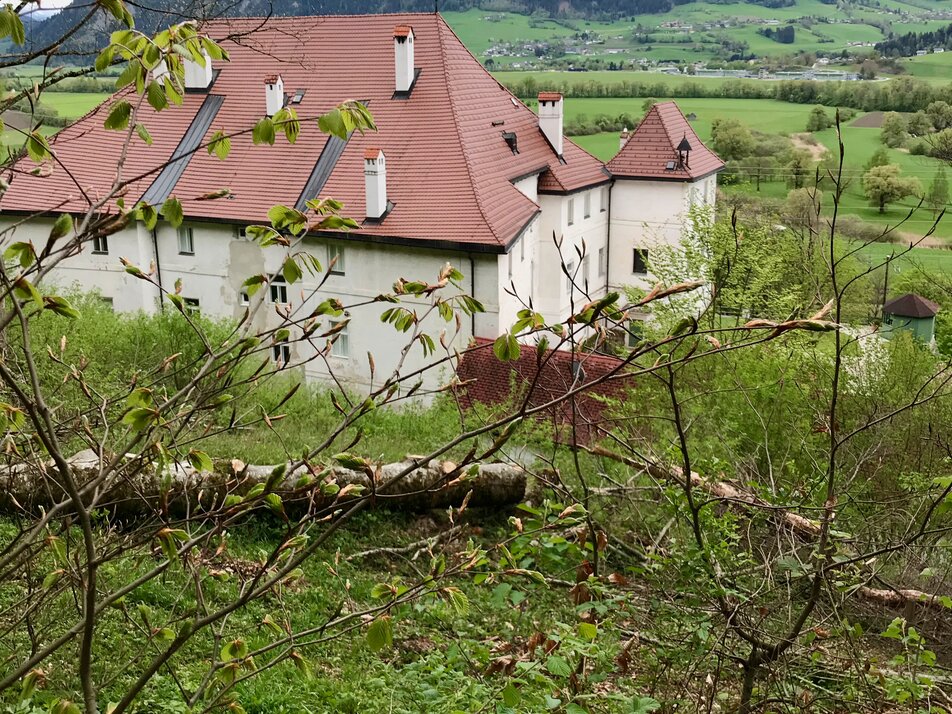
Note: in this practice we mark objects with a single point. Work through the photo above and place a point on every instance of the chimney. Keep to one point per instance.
(623, 139)
(403, 56)
(198, 76)
(273, 94)
(375, 179)
(550, 118)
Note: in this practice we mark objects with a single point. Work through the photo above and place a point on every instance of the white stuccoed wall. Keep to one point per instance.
(650, 213)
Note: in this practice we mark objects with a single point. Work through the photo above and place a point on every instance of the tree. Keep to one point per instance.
(885, 184)
(919, 124)
(938, 195)
(799, 168)
(893, 132)
(940, 114)
(731, 139)
(819, 119)
(868, 69)
(760, 168)
(880, 157)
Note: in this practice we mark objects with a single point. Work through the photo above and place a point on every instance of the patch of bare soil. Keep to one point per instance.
(871, 120)
(806, 142)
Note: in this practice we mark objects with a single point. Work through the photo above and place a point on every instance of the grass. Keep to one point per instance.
(73, 105)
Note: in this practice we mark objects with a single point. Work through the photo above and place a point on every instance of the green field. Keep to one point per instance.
(73, 105)
(931, 67)
(696, 31)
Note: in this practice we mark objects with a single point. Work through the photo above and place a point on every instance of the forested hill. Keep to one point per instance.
(151, 13)
(908, 44)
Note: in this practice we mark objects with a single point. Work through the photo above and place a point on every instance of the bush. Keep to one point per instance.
(919, 147)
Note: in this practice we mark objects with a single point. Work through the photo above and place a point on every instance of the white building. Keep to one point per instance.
(459, 171)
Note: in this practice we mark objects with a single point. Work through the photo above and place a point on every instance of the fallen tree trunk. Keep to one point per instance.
(139, 488)
(800, 525)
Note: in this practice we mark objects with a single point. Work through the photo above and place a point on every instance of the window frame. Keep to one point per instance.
(603, 200)
(277, 282)
(570, 278)
(281, 353)
(100, 245)
(639, 255)
(189, 233)
(602, 262)
(571, 212)
(192, 306)
(340, 268)
(341, 338)
(587, 205)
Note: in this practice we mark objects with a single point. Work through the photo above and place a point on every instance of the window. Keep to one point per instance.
(640, 262)
(335, 251)
(341, 346)
(191, 306)
(186, 241)
(603, 204)
(570, 269)
(281, 352)
(635, 332)
(509, 261)
(279, 289)
(602, 263)
(571, 211)
(584, 276)
(587, 204)
(244, 298)
(101, 245)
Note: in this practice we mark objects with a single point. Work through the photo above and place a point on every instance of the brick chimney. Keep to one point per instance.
(550, 118)
(273, 94)
(198, 76)
(403, 57)
(375, 179)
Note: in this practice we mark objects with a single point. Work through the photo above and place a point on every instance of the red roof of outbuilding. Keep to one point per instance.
(653, 146)
(911, 305)
(450, 172)
(549, 96)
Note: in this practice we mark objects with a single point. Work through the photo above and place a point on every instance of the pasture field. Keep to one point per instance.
(73, 105)
(931, 67)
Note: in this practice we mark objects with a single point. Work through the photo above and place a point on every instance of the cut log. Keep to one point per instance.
(138, 489)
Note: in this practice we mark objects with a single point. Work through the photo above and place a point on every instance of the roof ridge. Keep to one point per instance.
(441, 24)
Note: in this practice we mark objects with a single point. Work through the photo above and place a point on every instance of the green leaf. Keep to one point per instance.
(155, 96)
(333, 123)
(23, 253)
(573, 708)
(58, 547)
(291, 270)
(559, 666)
(220, 145)
(254, 283)
(263, 132)
(60, 306)
(588, 630)
(148, 215)
(37, 147)
(140, 418)
(172, 211)
(506, 348)
(118, 118)
(64, 706)
(63, 226)
(349, 461)
(644, 705)
(25, 290)
(144, 134)
(380, 633)
(200, 461)
(510, 695)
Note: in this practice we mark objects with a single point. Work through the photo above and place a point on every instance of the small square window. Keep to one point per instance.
(281, 352)
(101, 245)
(602, 262)
(191, 306)
(279, 289)
(635, 332)
(186, 241)
(341, 345)
(571, 211)
(640, 262)
(587, 204)
(336, 267)
(244, 298)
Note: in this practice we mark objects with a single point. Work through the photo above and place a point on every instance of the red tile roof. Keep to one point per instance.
(551, 376)
(402, 31)
(911, 305)
(371, 152)
(653, 145)
(449, 171)
(549, 96)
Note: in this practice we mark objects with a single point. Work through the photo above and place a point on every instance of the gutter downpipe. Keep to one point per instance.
(158, 266)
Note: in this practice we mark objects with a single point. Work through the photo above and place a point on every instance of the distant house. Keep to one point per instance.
(921, 53)
(912, 313)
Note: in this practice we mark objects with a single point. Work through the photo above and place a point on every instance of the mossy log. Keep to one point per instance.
(137, 488)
